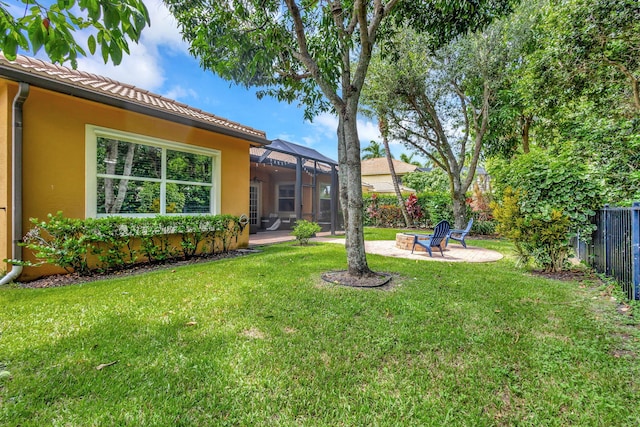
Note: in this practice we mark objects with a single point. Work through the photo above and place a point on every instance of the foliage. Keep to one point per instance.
(435, 180)
(434, 207)
(545, 182)
(575, 88)
(373, 151)
(413, 209)
(119, 242)
(464, 344)
(304, 230)
(409, 159)
(438, 102)
(541, 236)
(542, 201)
(60, 241)
(51, 25)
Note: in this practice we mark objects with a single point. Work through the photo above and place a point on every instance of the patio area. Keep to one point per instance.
(453, 253)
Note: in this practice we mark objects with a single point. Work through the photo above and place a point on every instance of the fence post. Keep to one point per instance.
(635, 247)
(605, 240)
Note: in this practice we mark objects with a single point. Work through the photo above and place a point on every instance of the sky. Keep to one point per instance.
(161, 63)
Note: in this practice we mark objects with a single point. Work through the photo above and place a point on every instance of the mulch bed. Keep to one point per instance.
(343, 278)
(58, 280)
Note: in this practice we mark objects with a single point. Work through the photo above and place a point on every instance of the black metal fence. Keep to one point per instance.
(615, 247)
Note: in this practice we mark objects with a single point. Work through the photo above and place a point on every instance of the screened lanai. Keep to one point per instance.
(290, 182)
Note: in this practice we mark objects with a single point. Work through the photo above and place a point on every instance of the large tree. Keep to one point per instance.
(31, 25)
(438, 101)
(317, 52)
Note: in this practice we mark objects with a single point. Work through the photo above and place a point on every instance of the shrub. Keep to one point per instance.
(413, 209)
(542, 237)
(67, 242)
(304, 230)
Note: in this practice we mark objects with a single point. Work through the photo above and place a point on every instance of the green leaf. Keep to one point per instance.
(116, 53)
(10, 48)
(91, 43)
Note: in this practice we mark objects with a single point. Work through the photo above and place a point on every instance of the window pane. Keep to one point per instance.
(196, 198)
(285, 205)
(188, 167)
(118, 196)
(325, 191)
(286, 191)
(128, 159)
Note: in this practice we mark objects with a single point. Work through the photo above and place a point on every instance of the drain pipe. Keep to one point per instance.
(16, 183)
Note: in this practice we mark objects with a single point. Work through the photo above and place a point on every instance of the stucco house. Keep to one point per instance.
(67, 140)
(376, 176)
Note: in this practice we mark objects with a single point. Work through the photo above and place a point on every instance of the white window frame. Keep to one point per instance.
(92, 133)
(278, 196)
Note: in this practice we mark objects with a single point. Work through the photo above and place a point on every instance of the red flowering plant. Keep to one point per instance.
(413, 208)
(373, 210)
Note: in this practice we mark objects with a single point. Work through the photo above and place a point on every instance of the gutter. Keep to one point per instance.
(16, 183)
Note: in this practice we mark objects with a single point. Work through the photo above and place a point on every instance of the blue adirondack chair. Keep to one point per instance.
(459, 235)
(428, 241)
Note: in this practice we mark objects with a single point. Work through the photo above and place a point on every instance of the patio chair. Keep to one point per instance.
(428, 241)
(459, 235)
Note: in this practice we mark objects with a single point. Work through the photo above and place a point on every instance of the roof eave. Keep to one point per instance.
(68, 89)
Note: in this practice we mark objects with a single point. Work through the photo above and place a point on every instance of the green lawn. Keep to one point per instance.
(262, 340)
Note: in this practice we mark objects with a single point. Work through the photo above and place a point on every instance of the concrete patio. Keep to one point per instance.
(453, 253)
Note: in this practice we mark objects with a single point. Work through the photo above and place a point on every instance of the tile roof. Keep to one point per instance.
(380, 166)
(44, 72)
(385, 187)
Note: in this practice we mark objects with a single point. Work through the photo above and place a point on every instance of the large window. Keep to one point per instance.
(133, 175)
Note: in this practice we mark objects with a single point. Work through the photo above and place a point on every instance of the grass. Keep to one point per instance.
(261, 340)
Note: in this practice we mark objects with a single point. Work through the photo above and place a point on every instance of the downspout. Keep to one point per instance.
(16, 183)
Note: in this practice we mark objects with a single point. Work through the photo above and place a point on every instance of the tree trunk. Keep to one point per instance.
(349, 162)
(394, 178)
(526, 124)
(111, 159)
(459, 209)
(123, 186)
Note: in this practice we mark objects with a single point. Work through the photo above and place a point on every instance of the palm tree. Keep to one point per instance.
(374, 150)
(382, 125)
(409, 159)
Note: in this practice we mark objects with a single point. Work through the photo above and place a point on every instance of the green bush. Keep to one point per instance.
(542, 201)
(541, 237)
(68, 242)
(434, 207)
(304, 230)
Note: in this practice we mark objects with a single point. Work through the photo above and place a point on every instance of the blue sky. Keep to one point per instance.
(161, 63)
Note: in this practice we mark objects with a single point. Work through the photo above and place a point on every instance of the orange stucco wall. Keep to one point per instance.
(54, 155)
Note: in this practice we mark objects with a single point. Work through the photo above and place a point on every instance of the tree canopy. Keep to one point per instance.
(31, 26)
(318, 53)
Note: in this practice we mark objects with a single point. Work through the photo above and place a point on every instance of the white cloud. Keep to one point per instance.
(368, 131)
(164, 28)
(326, 124)
(143, 66)
(179, 92)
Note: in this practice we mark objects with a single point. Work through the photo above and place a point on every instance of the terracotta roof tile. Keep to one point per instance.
(128, 93)
(380, 166)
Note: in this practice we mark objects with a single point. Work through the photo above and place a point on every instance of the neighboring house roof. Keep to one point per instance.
(385, 187)
(380, 166)
(110, 92)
